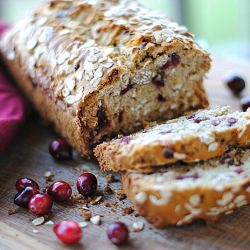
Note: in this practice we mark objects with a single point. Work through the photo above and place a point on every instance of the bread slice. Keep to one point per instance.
(180, 194)
(99, 68)
(200, 136)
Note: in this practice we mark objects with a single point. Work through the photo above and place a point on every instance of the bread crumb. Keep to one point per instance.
(107, 189)
(107, 204)
(86, 215)
(12, 211)
(127, 210)
(49, 176)
(120, 194)
(110, 178)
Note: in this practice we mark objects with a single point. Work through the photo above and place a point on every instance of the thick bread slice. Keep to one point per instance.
(200, 136)
(99, 68)
(180, 194)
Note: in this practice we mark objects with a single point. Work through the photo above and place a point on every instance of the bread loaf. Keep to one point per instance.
(200, 136)
(99, 68)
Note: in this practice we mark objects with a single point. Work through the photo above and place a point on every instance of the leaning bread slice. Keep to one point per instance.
(180, 194)
(201, 136)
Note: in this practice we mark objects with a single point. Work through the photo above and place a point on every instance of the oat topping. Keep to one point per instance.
(49, 222)
(83, 224)
(141, 197)
(137, 226)
(38, 221)
(96, 35)
(96, 220)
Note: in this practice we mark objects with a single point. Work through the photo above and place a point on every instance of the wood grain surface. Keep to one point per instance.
(28, 156)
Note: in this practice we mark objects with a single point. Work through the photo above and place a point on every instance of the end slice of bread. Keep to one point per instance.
(180, 194)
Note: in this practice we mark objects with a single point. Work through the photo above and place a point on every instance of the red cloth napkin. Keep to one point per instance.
(12, 106)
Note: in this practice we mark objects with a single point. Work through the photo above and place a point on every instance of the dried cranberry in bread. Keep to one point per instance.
(200, 136)
(97, 68)
(180, 194)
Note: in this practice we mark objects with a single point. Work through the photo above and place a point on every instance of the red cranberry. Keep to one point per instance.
(161, 98)
(174, 60)
(124, 140)
(165, 132)
(194, 118)
(239, 170)
(118, 233)
(191, 176)
(245, 103)
(22, 198)
(60, 190)
(40, 204)
(22, 183)
(235, 83)
(168, 152)
(68, 231)
(102, 118)
(113, 75)
(60, 149)
(231, 121)
(215, 122)
(158, 80)
(86, 184)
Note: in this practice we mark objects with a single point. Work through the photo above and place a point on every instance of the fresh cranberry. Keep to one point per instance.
(68, 231)
(60, 149)
(215, 122)
(245, 103)
(235, 83)
(86, 184)
(40, 204)
(22, 198)
(118, 233)
(231, 121)
(60, 190)
(22, 183)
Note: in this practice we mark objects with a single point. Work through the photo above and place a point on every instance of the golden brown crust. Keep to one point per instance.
(64, 122)
(97, 60)
(187, 139)
(179, 195)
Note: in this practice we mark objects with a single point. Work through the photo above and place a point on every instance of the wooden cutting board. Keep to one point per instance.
(28, 156)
